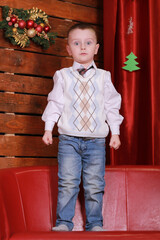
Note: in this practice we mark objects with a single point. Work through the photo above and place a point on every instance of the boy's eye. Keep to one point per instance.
(76, 43)
(89, 43)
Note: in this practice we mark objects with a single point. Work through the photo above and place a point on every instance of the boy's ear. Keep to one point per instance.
(68, 50)
(96, 49)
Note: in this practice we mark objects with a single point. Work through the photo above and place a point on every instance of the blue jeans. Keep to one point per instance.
(76, 157)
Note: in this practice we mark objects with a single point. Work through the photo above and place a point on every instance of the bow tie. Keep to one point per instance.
(82, 71)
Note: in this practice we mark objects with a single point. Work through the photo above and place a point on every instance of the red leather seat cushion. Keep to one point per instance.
(114, 201)
(143, 200)
(131, 207)
(87, 236)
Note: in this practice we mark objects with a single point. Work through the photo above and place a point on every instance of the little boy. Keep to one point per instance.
(84, 103)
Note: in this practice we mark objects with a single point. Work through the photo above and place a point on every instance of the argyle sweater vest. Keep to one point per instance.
(83, 113)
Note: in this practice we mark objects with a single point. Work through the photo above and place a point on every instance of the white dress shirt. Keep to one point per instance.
(83, 106)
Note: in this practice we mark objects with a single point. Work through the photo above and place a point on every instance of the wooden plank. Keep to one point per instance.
(90, 3)
(27, 146)
(22, 124)
(21, 103)
(59, 48)
(60, 9)
(59, 26)
(25, 84)
(31, 63)
(8, 162)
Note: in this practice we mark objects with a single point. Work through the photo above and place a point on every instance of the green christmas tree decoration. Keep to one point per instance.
(131, 64)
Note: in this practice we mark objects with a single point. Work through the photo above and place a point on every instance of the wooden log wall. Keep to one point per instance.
(26, 79)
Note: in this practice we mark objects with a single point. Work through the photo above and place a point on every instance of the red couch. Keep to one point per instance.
(131, 205)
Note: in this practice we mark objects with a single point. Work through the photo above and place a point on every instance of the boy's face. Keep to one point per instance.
(82, 46)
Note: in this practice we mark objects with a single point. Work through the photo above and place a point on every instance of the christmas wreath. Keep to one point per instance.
(22, 25)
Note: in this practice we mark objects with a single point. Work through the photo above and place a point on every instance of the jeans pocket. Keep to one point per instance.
(100, 141)
(64, 137)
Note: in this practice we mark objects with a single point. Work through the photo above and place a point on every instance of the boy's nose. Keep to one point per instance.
(83, 46)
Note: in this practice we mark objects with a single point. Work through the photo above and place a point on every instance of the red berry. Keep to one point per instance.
(30, 23)
(21, 24)
(46, 29)
(13, 20)
(10, 23)
(35, 25)
(39, 28)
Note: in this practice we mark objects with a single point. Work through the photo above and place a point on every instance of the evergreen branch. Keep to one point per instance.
(19, 35)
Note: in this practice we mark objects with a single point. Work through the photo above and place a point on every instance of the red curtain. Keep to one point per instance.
(140, 90)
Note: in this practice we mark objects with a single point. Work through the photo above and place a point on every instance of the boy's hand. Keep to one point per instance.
(115, 142)
(47, 137)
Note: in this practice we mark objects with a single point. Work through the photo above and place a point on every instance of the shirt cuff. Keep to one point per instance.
(49, 125)
(115, 130)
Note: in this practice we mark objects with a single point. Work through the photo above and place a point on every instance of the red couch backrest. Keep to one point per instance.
(132, 200)
(143, 199)
(28, 199)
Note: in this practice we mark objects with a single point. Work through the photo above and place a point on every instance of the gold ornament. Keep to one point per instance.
(21, 39)
(31, 32)
(14, 29)
(42, 25)
(10, 12)
(16, 25)
(8, 19)
(38, 13)
(46, 37)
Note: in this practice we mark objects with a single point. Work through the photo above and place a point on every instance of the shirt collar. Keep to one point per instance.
(77, 65)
